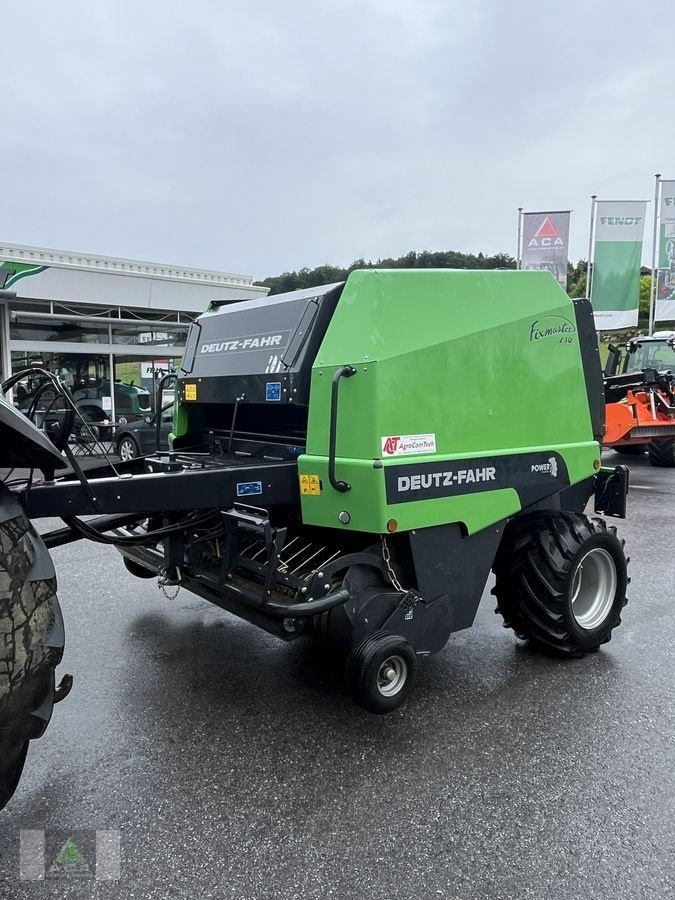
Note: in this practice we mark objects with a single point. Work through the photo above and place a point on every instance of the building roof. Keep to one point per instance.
(94, 262)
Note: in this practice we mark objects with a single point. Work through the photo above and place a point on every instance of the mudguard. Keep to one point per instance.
(22, 444)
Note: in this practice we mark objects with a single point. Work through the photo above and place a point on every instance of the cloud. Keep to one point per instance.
(265, 136)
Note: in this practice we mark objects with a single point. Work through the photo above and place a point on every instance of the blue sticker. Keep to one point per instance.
(246, 488)
(273, 390)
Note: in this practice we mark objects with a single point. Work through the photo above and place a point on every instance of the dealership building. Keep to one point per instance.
(100, 322)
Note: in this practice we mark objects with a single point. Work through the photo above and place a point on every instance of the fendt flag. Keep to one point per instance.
(617, 256)
(665, 284)
(545, 241)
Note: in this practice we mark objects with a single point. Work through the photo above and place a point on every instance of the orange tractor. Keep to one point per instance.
(640, 400)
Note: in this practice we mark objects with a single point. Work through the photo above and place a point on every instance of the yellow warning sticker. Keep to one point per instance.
(190, 391)
(310, 484)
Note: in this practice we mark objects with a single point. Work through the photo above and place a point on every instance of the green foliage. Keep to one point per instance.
(425, 259)
(576, 278)
(645, 294)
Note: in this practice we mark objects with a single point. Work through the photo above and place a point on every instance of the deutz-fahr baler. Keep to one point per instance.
(351, 462)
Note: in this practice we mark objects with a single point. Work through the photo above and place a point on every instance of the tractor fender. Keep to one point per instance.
(23, 444)
(619, 421)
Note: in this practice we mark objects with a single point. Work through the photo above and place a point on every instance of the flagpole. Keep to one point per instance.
(589, 264)
(655, 259)
(520, 236)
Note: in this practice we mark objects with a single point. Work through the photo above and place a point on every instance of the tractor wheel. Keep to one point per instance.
(381, 671)
(561, 581)
(631, 450)
(31, 639)
(662, 453)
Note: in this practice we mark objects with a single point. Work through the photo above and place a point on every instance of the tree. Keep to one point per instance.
(645, 297)
(425, 259)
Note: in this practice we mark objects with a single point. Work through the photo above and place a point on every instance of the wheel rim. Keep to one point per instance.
(126, 451)
(593, 588)
(392, 675)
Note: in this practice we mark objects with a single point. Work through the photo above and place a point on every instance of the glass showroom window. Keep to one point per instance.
(88, 377)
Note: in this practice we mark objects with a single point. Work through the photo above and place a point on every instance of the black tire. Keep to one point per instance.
(31, 639)
(366, 671)
(662, 453)
(561, 581)
(631, 450)
(131, 451)
(137, 569)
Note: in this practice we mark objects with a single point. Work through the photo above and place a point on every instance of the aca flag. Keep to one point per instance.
(545, 240)
(617, 256)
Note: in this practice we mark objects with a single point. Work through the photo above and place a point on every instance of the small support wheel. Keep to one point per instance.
(381, 671)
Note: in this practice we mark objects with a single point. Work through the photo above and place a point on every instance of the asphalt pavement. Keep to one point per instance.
(199, 757)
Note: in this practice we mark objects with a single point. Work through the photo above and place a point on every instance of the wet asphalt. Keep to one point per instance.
(228, 764)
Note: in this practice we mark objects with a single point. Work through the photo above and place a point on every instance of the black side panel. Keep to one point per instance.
(258, 351)
(590, 357)
(534, 476)
(452, 570)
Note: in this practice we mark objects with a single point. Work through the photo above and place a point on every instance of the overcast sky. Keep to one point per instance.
(263, 136)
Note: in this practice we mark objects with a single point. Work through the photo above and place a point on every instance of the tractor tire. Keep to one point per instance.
(662, 453)
(31, 639)
(561, 581)
(381, 671)
(631, 450)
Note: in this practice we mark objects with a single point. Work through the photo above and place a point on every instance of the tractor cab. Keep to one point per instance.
(655, 351)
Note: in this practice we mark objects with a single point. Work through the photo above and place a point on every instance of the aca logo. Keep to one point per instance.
(390, 446)
(547, 235)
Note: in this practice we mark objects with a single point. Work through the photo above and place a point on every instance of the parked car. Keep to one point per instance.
(138, 438)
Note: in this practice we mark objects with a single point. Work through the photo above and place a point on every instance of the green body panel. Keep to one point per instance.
(488, 362)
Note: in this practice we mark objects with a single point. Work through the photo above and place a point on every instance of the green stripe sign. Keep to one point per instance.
(11, 272)
(617, 256)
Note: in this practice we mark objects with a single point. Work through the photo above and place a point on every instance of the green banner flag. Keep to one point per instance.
(617, 257)
(665, 289)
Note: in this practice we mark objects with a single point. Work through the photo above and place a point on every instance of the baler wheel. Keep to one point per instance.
(31, 639)
(561, 581)
(381, 671)
(662, 453)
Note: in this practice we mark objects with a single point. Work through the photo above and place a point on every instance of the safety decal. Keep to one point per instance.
(190, 391)
(310, 484)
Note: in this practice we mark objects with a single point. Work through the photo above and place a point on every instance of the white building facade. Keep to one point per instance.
(109, 326)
